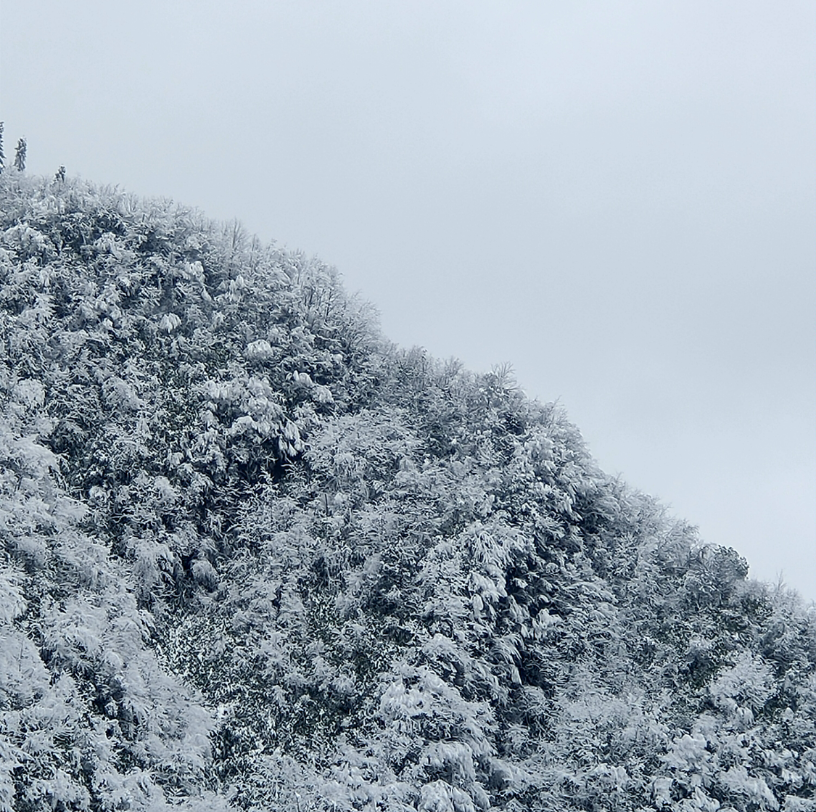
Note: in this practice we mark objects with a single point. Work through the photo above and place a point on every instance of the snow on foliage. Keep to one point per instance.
(255, 557)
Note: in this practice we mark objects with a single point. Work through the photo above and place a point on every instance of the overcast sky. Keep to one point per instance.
(617, 198)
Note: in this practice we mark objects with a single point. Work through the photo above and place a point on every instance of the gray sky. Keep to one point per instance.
(618, 198)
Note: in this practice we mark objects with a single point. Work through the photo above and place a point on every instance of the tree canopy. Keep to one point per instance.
(254, 556)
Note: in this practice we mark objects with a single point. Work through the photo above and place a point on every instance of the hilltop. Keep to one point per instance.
(255, 556)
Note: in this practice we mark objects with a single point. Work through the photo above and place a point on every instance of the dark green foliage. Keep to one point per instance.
(252, 555)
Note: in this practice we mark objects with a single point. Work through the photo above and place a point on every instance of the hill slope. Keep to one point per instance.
(254, 556)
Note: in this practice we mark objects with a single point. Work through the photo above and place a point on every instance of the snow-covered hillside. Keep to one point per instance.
(254, 556)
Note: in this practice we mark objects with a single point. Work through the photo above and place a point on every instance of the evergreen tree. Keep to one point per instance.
(20, 155)
(2, 154)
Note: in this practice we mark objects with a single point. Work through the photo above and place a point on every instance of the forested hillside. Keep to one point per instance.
(255, 557)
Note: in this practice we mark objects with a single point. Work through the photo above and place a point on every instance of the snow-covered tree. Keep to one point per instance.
(20, 155)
